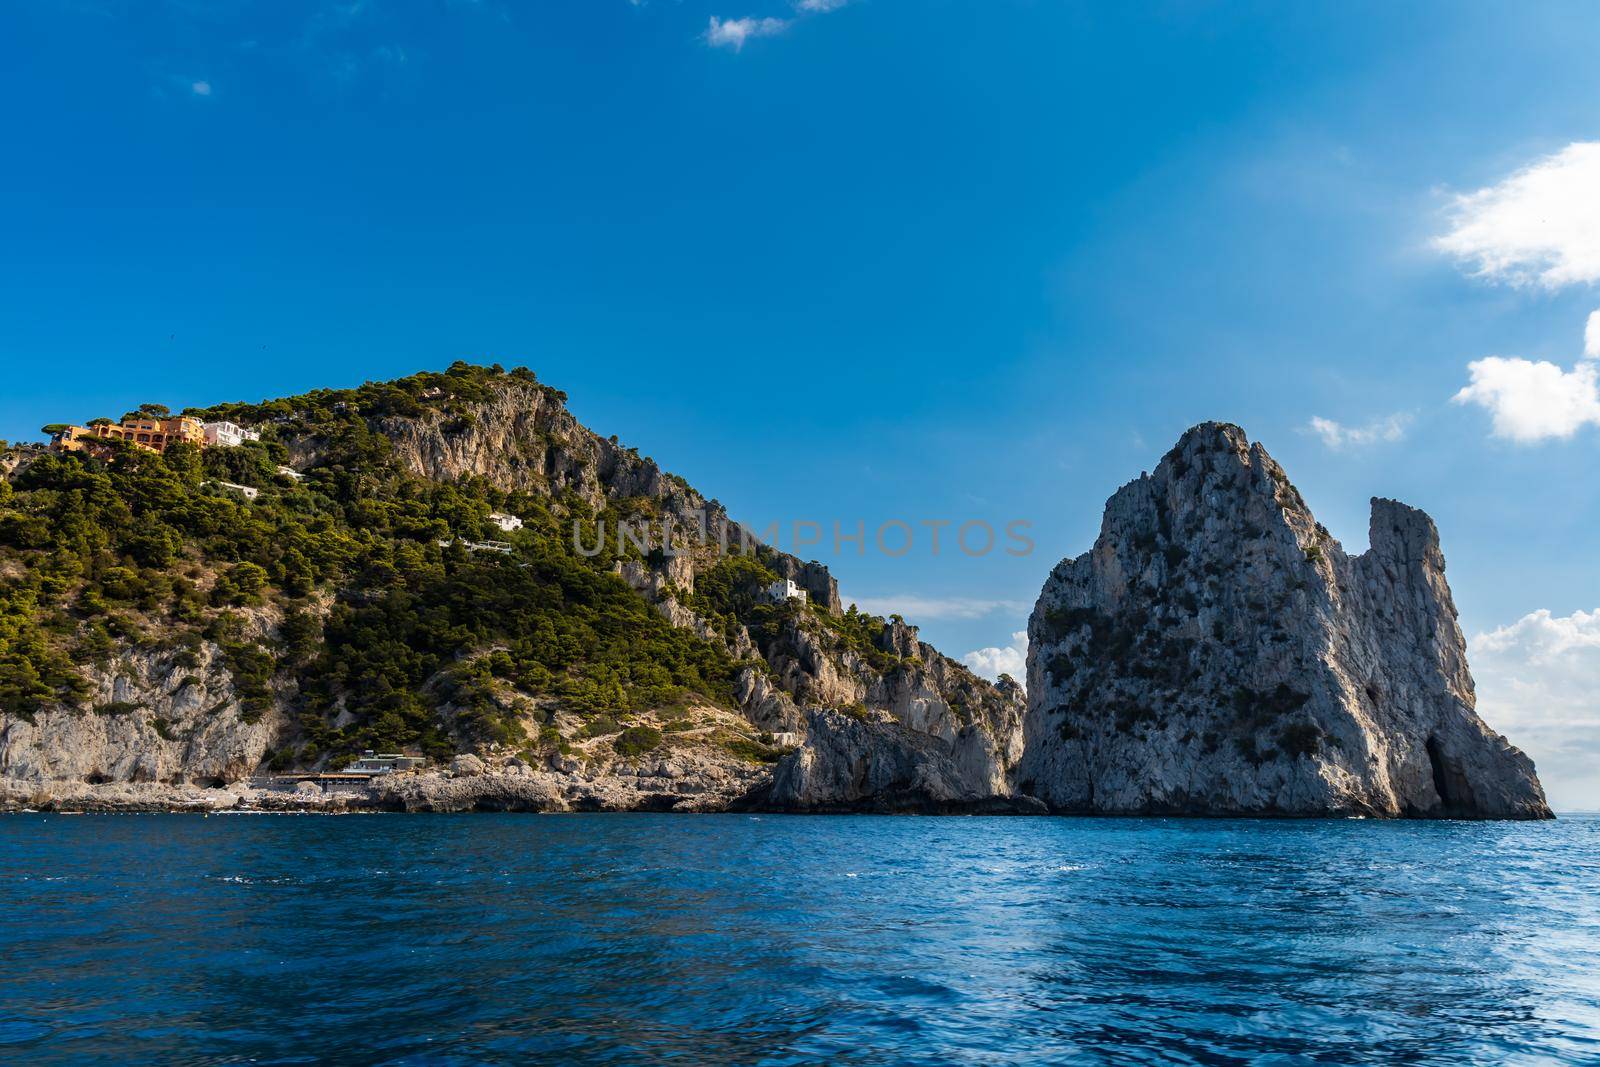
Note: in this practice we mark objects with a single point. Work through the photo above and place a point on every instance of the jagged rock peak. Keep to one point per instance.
(1217, 651)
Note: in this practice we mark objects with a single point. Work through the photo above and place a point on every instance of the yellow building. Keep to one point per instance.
(154, 434)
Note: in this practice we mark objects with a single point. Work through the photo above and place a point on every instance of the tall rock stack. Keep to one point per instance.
(1218, 652)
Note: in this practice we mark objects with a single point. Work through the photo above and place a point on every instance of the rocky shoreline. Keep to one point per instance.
(434, 794)
(440, 793)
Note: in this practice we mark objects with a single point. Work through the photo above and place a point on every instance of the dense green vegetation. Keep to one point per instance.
(383, 615)
(859, 632)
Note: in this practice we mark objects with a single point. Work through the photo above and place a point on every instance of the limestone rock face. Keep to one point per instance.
(688, 781)
(1218, 652)
(958, 719)
(170, 716)
(850, 764)
(766, 705)
(466, 765)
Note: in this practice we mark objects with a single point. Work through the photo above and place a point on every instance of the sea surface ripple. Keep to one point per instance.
(439, 939)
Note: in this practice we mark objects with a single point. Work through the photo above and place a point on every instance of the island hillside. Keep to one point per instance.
(430, 566)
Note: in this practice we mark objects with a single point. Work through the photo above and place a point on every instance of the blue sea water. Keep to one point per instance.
(420, 939)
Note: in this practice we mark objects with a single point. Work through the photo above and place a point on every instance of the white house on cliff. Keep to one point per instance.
(228, 434)
(785, 589)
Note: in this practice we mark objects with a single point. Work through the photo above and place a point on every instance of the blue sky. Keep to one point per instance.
(872, 260)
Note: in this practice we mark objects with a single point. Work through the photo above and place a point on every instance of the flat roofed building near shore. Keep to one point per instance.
(384, 763)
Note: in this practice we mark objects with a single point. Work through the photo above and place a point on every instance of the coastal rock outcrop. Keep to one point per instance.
(1217, 652)
(861, 763)
(171, 715)
(684, 780)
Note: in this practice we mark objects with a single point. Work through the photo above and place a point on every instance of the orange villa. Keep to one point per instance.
(154, 434)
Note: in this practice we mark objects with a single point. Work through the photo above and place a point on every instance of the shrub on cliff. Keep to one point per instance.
(636, 741)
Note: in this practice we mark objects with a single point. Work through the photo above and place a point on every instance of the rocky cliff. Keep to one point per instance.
(150, 716)
(1218, 652)
(521, 437)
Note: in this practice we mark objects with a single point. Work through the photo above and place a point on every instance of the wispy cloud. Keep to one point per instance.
(992, 662)
(1337, 435)
(1540, 226)
(200, 88)
(733, 33)
(1536, 681)
(913, 607)
(1532, 401)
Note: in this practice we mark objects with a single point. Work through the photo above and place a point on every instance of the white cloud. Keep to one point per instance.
(1338, 435)
(733, 33)
(1539, 226)
(912, 607)
(1539, 683)
(1544, 637)
(991, 663)
(1591, 336)
(1533, 401)
(201, 88)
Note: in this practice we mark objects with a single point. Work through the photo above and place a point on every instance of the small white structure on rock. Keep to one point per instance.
(228, 434)
(504, 521)
(290, 472)
(785, 589)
